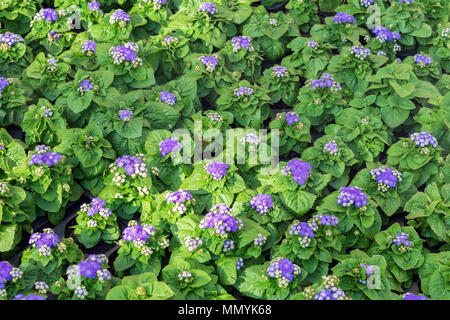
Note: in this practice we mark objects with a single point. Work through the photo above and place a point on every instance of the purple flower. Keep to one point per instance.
(132, 165)
(219, 220)
(95, 206)
(217, 170)
(89, 268)
(343, 17)
(407, 1)
(52, 64)
(53, 35)
(262, 203)
(125, 53)
(28, 297)
(89, 47)
(422, 60)
(135, 233)
(411, 296)
(383, 34)
(282, 268)
(332, 293)
(207, 7)
(301, 229)
(325, 81)
(4, 82)
(94, 5)
(169, 145)
(5, 273)
(298, 169)
(313, 44)
(10, 38)
(49, 239)
(352, 195)
(239, 263)
(424, 139)
(119, 15)
(192, 244)
(386, 176)
(99, 258)
(242, 42)
(167, 97)
(360, 52)
(401, 238)
(85, 85)
(169, 39)
(366, 3)
(48, 158)
(178, 197)
(331, 147)
(125, 115)
(209, 62)
(49, 14)
(228, 245)
(368, 270)
(291, 117)
(328, 220)
(243, 91)
(279, 72)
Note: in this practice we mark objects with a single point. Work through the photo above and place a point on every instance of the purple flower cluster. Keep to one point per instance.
(217, 170)
(331, 147)
(383, 34)
(44, 242)
(406, 1)
(291, 117)
(127, 53)
(239, 263)
(422, 60)
(97, 205)
(411, 296)
(328, 220)
(325, 81)
(209, 62)
(283, 270)
(94, 5)
(4, 82)
(332, 293)
(207, 7)
(262, 203)
(132, 165)
(52, 64)
(242, 42)
(192, 244)
(53, 36)
(89, 268)
(301, 229)
(298, 169)
(48, 158)
(243, 91)
(424, 139)
(49, 14)
(343, 17)
(279, 72)
(85, 85)
(89, 47)
(219, 220)
(119, 15)
(401, 238)
(5, 273)
(312, 44)
(167, 97)
(179, 199)
(360, 53)
(228, 245)
(137, 232)
(169, 145)
(10, 38)
(352, 195)
(366, 3)
(386, 176)
(28, 297)
(125, 115)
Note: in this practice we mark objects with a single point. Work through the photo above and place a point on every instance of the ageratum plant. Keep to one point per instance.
(331, 155)
(114, 26)
(433, 275)
(12, 101)
(402, 249)
(304, 13)
(12, 152)
(47, 175)
(248, 102)
(17, 15)
(45, 21)
(96, 222)
(282, 84)
(51, 255)
(13, 54)
(326, 289)
(141, 249)
(89, 279)
(294, 133)
(11, 281)
(311, 244)
(420, 151)
(439, 48)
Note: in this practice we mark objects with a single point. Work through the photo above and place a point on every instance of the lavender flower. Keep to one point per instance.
(169, 145)
(291, 117)
(41, 149)
(94, 6)
(44, 242)
(210, 62)
(48, 113)
(52, 64)
(424, 139)
(325, 81)
(169, 39)
(279, 72)
(121, 16)
(207, 7)
(262, 203)
(97, 205)
(331, 147)
(327, 220)
(401, 238)
(239, 263)
(192, 244)
(228, 245)
(8, 39)
(125, 115)
(132, 165)
(422, 60)
(137, 233)
(179, 199)
(5, 273)
(312, 44)
(125, 53)
(366, 3)
(85, 85)
(217, 170)
(167, 97)
(383, 34)
(185, 277)
(283, 270)
(259, 240)
(251, 138)
(406, 1)
(219, 220)
(301, 229)
(89, 47)
(89, 268)
(53, 36)
(156, 3)
(352, 195)
(411, 296)
(242, 42)
(48, 158)
(385, 177)
(298, 169)
(360, 53)
(332, 293)
(343, 17)
(243, 91)
(4, 82)
(49, 14)
(28, 297)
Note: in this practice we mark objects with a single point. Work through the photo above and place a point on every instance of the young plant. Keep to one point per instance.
(281, 83)
(12, 102)
(326, 289)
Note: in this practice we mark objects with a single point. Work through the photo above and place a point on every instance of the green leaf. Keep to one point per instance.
(299, 202)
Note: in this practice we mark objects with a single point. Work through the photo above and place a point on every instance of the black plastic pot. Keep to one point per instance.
(16, 132)
(277, 7)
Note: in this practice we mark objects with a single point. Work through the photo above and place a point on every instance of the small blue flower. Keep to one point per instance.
(169, 145)
(207, 7)
(167, 97)
(291, 117)
(125, 115)
(343, 17)
(352, 196)
(262, 203)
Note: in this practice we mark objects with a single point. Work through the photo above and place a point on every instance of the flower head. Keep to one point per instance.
(383, 34)
(49, 159)
(179, 199)
(331, 293)
(192, 244)
(352, 195)
(331, 147)
(219, 220)
(169, 145)
(366, 3)
(386, 177)
(217, 170)
(125, 115)
(94, 5)
(411, 296)
(401, 238)
(132, 165)
(291, 117)
(242, 42)
(424, 139)
(4, 82)
(422, 60)
(119, 15)
(262, 203)
(283, 270)
(325, 81)
(9, 39)
(343, 17)
(28, 297)
(49, 14)
(243, 91)
(312, 44)
(210, 62)
(137, 233)
(360, 53)
(298, 169)
(207, 7)
(89, 47)
(279, 72)
(167, 97)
